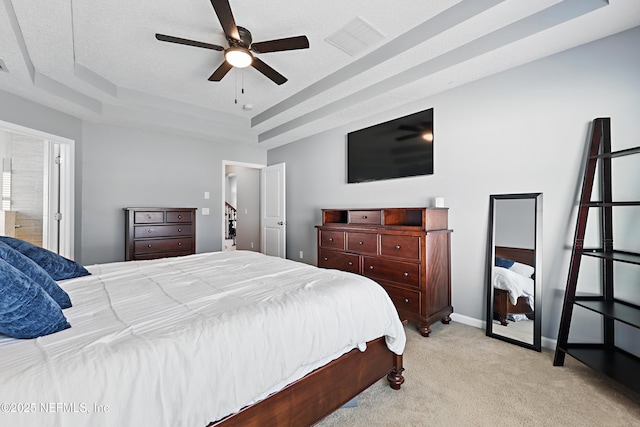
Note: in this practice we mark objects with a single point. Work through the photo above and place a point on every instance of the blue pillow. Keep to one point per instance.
(26, 310)
(58, 267)
(35, 273)
(503, 262)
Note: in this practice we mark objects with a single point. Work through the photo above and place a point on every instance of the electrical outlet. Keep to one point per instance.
(301, 255)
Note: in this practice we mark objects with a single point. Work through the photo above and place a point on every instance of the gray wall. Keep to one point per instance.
(118, 167)
(521, 131)
(125, 167)
(515, 223)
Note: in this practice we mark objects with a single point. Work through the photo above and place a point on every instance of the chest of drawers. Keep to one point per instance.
(152, 233)
(406, 250)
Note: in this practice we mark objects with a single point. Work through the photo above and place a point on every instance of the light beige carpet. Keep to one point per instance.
(460, 377)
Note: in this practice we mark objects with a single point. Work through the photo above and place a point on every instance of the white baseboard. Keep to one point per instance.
(549, 343)
(481, 324)
(476, 323)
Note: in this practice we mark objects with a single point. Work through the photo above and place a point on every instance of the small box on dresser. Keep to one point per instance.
(406, 250)
(152, 233)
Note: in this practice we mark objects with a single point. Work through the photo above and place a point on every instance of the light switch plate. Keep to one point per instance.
(206, 195)
(205, 211)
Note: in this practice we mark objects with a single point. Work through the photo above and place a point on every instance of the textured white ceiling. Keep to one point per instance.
(99, 60)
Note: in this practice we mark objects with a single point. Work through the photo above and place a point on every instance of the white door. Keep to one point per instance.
(273, 225)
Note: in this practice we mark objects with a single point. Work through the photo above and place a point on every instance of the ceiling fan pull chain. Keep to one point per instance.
(235, 87)
(243, 82)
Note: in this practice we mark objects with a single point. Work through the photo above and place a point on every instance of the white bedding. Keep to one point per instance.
(516, 284)
(185, 341)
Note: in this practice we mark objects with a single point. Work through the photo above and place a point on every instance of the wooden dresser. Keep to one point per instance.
(406, 250)
(152, 233)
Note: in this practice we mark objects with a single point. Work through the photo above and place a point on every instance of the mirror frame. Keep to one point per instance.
(537, 323)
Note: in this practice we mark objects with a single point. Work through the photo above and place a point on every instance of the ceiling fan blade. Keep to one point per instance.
(289, 43)
(220, 72)
(172, 39)
(404, 138)
(268, 71)
(410, 128)
(225, 16)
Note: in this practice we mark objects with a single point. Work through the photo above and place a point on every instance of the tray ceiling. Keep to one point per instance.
(100, 61)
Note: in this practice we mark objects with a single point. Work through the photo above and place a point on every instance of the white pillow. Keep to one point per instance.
(523, 269)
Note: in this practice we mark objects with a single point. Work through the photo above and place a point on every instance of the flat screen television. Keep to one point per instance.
(395, 149)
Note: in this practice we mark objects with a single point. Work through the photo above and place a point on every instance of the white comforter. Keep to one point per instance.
(517, 284)
(185, 341)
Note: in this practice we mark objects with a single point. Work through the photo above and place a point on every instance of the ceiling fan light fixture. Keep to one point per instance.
(238, 56)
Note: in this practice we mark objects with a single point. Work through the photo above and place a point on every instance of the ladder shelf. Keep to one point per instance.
(606, 357)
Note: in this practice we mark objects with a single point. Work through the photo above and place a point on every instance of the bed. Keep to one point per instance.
(226, 338)
(513, 291)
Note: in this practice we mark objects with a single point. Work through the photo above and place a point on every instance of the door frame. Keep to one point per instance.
(226, 163)
(67, 187)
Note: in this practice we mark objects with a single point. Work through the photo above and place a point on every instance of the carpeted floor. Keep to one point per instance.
(460, 377)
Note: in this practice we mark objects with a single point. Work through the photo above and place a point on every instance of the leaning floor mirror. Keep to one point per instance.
(514, 269)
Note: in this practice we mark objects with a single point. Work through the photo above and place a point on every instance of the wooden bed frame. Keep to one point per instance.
(501, 303)
(313, 397)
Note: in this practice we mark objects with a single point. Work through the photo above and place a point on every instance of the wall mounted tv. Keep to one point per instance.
(398, 148)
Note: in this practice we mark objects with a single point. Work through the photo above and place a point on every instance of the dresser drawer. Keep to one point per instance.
(364, 243)
(179, 216)
(400, 246)
(404, 299)
(150, 217)
(162, 245)
(339, 260)
(405, 273)
(162, 231)
(365, 217)
(332, 239)
(156, 255)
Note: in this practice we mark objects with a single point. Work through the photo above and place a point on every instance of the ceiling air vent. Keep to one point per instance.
(355, 37)
(3, 66)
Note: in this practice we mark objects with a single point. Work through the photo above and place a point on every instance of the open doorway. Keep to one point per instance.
(37, 188)
(241, 221)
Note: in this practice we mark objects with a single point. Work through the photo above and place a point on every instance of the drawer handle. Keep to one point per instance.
(179, 230)
(397, 246)
(331, 239)
(371, 267)
(361, 243)
(149, 245)
(364, 217)
(179, 216)
(326, 259)
(180, 244)
(406, 274)
(149, 231)
(350, 263)
(148, 216)
(406, 300)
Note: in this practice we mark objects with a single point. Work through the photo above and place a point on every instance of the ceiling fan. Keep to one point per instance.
(241, 47)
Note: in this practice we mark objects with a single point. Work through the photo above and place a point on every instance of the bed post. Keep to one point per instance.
(395, 377)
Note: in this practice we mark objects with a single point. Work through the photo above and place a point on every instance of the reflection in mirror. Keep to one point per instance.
(514, 270)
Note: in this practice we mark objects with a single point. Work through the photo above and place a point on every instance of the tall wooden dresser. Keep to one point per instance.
(152, 233)
(406, 250)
